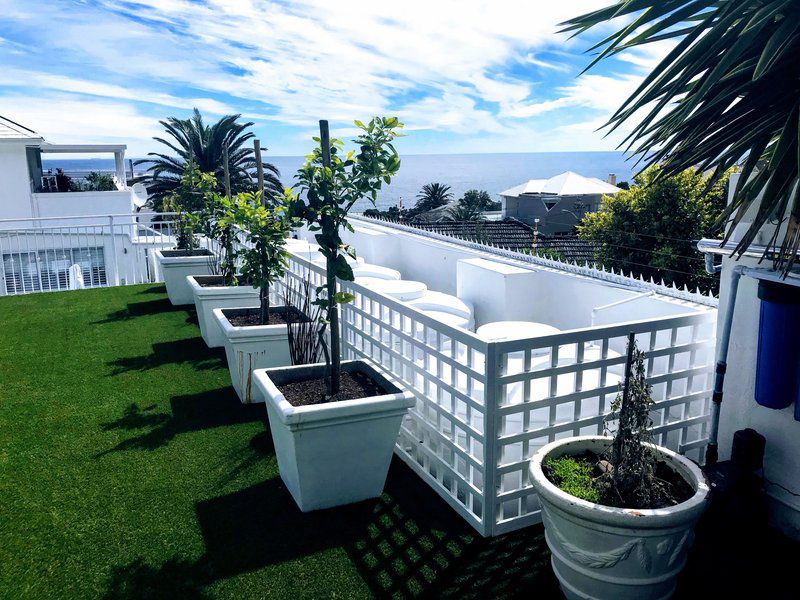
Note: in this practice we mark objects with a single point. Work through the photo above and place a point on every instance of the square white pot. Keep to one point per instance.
(176, 266)
(252, 347)
(335, 453)
(209, 297)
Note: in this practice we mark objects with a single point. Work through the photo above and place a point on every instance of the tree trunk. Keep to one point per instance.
(335, 365)
(264, 299)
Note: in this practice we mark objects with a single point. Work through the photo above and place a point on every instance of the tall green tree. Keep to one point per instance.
(480, 199)
(727, 93)
(192, 140)
(653, 227)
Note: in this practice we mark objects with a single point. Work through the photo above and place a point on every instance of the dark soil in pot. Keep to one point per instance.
(353, 385)
(182, 253)
(676, 489)
(251, 317)
(216, 281)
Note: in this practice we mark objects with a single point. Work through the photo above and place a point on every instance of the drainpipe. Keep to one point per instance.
(712, 452)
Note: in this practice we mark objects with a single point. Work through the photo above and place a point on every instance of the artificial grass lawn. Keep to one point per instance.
(129, 469)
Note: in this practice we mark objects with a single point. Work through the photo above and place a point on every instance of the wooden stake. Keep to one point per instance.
(259, 169)
(226, 171)
(333, 311)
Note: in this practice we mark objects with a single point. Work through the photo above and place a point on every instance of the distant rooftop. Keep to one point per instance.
(568, 183)
(11, 130)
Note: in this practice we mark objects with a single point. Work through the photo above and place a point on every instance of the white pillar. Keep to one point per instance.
(119, 165)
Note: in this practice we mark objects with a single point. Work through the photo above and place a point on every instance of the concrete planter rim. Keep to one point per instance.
(233, 332)
(245, 291)
(395, 400)
(175, 261)
(677, 515)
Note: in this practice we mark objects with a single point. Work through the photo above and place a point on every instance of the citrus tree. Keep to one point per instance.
(330, 183)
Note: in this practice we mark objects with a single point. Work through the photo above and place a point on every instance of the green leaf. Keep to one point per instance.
(343, 297)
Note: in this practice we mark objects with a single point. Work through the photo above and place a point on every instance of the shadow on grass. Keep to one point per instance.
(142, 309)
(407, 544)
(191, 351)
(154, 289)
(197, 412)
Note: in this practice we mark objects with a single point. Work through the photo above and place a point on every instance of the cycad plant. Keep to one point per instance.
(727, 93)
(193, 141)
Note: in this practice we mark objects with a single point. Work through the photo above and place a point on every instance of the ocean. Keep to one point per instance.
(491, 172)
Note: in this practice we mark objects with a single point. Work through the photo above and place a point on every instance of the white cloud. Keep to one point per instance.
(441, 66)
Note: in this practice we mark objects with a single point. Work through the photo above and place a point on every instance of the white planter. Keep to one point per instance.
(616, 553)
(250, 348)
(207, 298)
(335, 453)
(176, 267)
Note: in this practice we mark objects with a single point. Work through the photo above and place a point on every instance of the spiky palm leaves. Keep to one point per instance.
(193, 140)
(432, 195)
(727, 92)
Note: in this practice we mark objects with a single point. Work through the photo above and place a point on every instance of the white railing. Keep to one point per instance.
(483, 408)
(39, 255)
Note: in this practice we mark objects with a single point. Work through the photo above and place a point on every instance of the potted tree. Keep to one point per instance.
(256, 337)
(334, 424)
(619, 513)
(187, 258)
(226, 288)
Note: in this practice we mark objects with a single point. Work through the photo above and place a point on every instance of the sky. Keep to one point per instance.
(464, 76)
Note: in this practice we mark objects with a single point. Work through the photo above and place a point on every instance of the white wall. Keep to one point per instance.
(69, 204)
(15, 188)
(561, 299)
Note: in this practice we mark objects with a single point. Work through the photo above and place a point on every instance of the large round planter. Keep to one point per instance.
(616, 553)
(336, 453)
(249, 348)
(176, 266)
(208, 297)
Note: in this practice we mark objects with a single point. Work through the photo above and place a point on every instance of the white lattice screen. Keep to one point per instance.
(483, 408)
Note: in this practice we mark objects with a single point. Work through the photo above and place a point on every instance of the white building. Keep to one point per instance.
(558, 203)
(24, 193)
(52, 240)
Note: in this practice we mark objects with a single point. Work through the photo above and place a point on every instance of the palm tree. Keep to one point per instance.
(465, 212)
(432, 195)
(725, 95)
(192, 140)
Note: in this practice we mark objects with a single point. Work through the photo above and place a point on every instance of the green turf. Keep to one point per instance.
(128, 468)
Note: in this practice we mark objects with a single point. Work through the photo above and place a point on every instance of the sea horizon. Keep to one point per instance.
(490, 171)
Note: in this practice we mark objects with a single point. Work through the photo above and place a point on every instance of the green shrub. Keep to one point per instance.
(574, 476)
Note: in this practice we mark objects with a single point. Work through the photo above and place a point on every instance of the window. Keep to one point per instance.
(549, 203)
(48, 270)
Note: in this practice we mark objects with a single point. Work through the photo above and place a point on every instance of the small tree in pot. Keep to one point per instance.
(332, 184)
(334, 425)
(266, 227)
(255, 335)
(619, 513)
(187, 259)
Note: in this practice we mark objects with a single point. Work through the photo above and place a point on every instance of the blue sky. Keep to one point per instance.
(464, 76)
